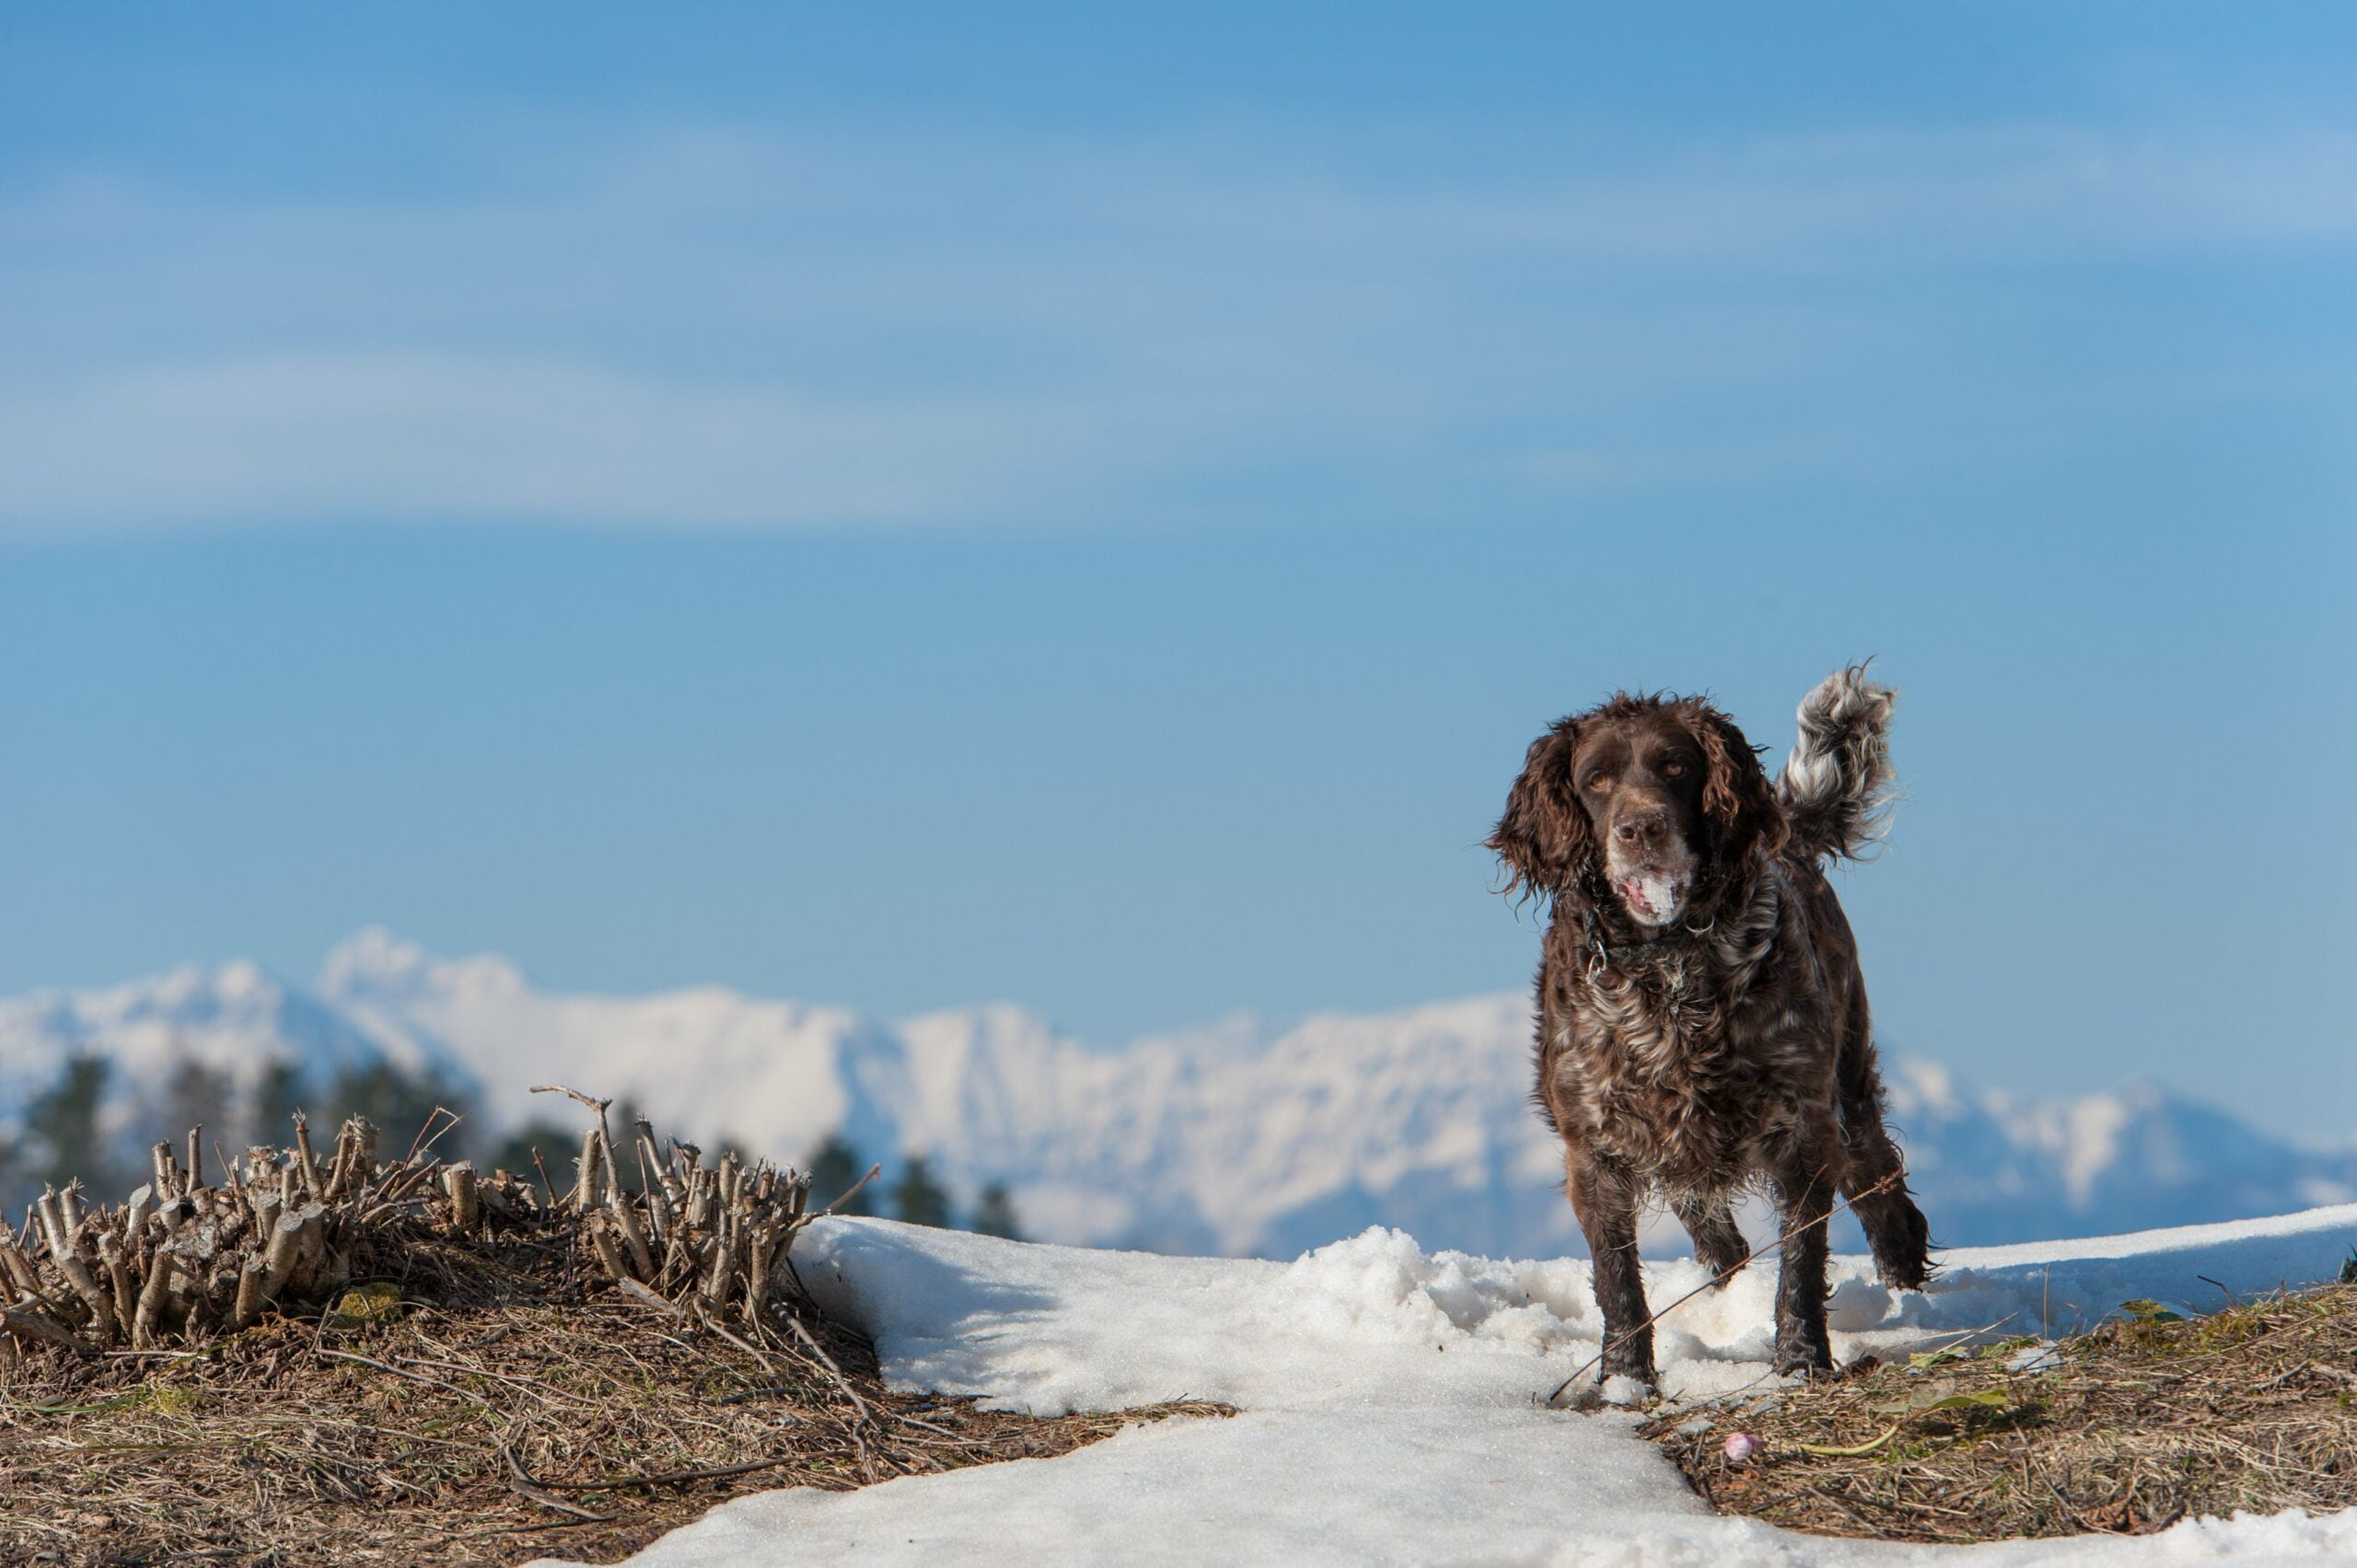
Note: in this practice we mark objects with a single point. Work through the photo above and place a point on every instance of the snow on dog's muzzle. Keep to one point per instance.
(1655, 894)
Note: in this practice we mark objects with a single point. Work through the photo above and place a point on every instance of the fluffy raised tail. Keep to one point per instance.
(1837, 785)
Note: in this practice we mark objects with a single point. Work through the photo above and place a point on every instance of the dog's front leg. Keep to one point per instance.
(1605, 1196)
(1805, 1184)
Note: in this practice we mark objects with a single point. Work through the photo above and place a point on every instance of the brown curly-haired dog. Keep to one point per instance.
(1702, 1020)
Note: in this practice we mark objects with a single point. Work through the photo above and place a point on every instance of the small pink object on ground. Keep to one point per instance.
(1742, 1447)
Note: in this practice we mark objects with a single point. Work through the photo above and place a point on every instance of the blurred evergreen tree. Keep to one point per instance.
(994, 1213)
(557, 1137)
(622, 1122)
(558, 1148)
(61, 1131)
(834, 1166)
(269, 1113)
(197, 1096)
(917, 1198)
(400, 1104)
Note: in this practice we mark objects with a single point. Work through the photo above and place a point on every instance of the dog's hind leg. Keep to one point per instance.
(1718, 1245)
(1876, 1184)
(1873, 1176)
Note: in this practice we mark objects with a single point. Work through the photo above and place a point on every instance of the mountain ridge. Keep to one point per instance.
(1229, 1138)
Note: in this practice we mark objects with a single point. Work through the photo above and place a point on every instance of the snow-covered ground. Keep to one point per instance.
(1391, 1401)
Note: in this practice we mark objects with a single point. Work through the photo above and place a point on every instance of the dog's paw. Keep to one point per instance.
(1628, 1369)
(1807, 1359)
(1725, 1270)
(1904, 1276)
(1619, 1391)
(1903, 1249)
(1629, 1393)
(1581, 1398)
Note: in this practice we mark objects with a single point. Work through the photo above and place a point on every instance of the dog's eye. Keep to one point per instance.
(1673, 769)
(1598, 782)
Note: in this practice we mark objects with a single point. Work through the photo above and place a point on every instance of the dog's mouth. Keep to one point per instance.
(1653, 893)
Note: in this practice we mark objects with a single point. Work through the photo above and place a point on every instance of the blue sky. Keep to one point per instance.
(907, 505)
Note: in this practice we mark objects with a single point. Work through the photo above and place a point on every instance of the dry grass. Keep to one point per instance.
(350, 1361)
(508, 1400)
(2145, 1422)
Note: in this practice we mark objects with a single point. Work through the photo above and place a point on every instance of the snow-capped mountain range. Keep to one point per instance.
(1230, 1139)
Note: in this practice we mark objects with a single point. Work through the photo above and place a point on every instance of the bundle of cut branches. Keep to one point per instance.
(184, 1260)
(716, 1234)
(504, 1366)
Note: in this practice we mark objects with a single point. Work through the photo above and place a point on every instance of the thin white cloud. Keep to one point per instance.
(1862, 200)
(756, 330)
(421, 436)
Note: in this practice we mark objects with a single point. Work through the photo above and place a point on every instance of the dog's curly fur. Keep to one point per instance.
(1693, 1055)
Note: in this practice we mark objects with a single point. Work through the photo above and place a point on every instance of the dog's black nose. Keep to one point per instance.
(1642, 829)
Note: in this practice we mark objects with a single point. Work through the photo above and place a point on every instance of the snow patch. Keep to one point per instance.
(1391, 1402)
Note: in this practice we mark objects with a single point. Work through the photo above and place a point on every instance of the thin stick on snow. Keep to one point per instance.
(2232, 1299)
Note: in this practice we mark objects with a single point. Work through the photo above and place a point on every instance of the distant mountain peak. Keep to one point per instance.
(371, 959)
(1236, 1137)
(374, 963)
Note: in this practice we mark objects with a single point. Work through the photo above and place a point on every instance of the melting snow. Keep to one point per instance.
(1391, 1401)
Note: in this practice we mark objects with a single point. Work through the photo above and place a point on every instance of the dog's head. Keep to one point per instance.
(1661, 798)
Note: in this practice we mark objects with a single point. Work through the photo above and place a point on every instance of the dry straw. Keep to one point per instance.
(330, 1358)
(2146, 1420)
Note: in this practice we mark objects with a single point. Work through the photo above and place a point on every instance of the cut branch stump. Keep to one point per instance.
(182, 1260)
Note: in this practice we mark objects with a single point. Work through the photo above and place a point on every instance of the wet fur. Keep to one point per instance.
(1738, 1050)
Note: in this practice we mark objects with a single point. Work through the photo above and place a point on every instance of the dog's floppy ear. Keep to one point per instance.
(1544, 836)
(1737, 800)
